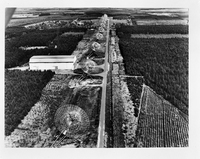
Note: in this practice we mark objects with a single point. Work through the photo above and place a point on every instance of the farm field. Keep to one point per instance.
(67, 14)
(160, 123)
(94, 13)
(26, 21)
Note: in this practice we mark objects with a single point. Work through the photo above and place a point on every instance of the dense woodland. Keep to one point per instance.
(22, 90)
(19, 30)
(18, 95)
(14, 56)
(162, 62)
(135, 88)
(151, 29)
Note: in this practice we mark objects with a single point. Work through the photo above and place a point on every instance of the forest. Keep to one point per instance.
(151, 29)
(14, 56)
(22, 90)
(19, 98)
(163, 63)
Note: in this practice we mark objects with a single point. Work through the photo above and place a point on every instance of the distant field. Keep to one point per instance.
(178, 11)
(159, 36)
(162, 22)
(50, 10)
(26, 21)
(160, 123)
(153, 29)
(94, 13)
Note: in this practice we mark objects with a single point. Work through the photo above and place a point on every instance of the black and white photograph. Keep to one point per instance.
(96, 77)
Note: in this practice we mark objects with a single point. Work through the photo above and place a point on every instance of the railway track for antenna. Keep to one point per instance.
(60, 93)
(106, 67)
(101, 129)
(104, 74)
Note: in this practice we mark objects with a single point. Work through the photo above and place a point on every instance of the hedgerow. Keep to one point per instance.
(22, 90)
(135, 88)
(152, 29)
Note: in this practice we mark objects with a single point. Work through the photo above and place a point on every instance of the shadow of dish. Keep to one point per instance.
(94, 70)
(99, 61)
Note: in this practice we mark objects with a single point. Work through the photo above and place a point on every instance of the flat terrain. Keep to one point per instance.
(160, 123)
(22, 90)
(147, 16)
(164, 64)
(136, 96)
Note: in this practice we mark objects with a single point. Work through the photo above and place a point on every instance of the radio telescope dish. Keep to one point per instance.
(99, 36)
(71, 120)
(96, 46)
(101, 29)
(89, 66)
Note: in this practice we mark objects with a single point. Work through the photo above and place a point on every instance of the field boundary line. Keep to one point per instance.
(158, 36)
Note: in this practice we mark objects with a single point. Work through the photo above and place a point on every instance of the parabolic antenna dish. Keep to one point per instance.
(99, 36)
(96, 46)
(101, 29)
(89, 65)
(71, 120)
